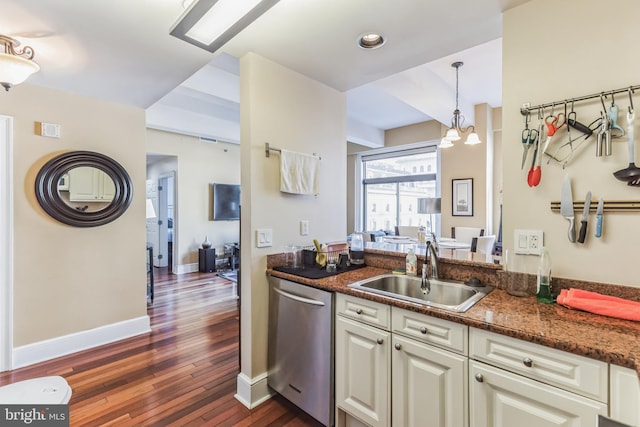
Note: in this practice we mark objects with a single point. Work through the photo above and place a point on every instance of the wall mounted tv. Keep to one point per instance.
(226, 202)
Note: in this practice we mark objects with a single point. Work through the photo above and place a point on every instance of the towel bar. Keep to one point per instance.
(268, 148)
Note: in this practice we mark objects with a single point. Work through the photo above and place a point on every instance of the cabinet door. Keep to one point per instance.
(498, 398)
(82, 184)
(625, 395)
(362, 371)
(107, 187)
(429, 385)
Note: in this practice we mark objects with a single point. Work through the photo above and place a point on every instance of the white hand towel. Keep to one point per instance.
(298, 173)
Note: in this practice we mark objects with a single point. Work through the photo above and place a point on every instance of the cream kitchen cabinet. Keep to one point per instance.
(392, 373)
(362, 366)
(516, 383)
(625, 395)
(429, 369)
(88, 184)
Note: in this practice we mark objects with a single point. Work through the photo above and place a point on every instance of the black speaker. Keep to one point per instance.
(207, 260)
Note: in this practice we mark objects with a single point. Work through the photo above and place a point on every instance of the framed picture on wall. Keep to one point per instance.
(462, 197)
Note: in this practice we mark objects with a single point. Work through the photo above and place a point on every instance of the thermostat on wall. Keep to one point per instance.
(47, 129)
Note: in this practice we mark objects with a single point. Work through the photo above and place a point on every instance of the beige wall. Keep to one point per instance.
(292, 112)
(563, 71)
(69, 279)
(459, 161)
(199, 164)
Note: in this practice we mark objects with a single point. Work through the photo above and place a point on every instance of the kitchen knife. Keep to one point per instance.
(566, 208)
(585, 218)
(599, 213)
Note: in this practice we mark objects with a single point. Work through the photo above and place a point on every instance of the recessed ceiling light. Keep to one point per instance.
(371, 41)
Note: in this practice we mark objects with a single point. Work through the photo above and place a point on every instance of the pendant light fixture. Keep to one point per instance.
(456, 129)
(16, 65)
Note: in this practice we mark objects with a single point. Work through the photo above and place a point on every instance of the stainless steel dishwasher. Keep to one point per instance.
(301, 347)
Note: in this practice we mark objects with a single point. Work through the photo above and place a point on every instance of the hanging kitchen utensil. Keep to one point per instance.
(535, 173)
(599, 215)
(529, 138)
(564, 153)
(566, 208)
(630, 174)
(585, 218)
(537, 150)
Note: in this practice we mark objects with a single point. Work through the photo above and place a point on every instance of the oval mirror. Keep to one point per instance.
(83, 189)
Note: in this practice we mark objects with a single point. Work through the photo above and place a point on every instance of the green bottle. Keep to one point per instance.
(545, 291)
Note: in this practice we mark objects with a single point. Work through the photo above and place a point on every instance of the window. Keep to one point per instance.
(390, 179)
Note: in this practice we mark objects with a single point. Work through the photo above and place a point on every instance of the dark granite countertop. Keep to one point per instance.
(598, 337)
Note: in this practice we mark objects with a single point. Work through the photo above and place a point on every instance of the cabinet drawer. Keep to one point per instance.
(366, 311)
(431, 330)
(582, 375)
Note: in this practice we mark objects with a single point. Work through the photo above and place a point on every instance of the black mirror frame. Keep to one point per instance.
(48, 196)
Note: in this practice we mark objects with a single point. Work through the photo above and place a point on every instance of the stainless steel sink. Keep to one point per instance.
(446, 294)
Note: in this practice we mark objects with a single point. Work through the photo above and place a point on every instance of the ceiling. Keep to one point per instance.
(121, 51)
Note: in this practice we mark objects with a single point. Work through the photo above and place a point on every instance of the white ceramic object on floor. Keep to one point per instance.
(53, 390)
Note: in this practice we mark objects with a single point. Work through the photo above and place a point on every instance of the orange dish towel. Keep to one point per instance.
(605, 305)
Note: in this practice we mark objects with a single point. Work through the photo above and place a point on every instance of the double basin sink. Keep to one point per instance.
(445, 294)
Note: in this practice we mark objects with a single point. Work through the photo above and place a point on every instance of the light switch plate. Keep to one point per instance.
(304, 227)
(264, 237)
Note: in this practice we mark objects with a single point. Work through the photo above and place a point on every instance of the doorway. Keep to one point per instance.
(6, 243)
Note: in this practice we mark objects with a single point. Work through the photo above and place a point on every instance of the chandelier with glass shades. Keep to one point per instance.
(456, 129)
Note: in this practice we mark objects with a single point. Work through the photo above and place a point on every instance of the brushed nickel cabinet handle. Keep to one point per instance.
(379, 340)
(527, 362)
(423, 330)
(398, 346)
(479, 378)
(358, 311)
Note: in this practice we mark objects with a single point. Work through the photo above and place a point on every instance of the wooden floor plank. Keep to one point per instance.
(183, 373)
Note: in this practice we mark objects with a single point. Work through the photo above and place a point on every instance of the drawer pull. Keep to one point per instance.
(527, 362)
(358, 311)
(423, 330)
(379, 340)
(479, 378)
(398, 346)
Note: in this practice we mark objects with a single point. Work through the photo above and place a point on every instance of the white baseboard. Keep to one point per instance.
(251, 392)
(72, 343)
(187, 268)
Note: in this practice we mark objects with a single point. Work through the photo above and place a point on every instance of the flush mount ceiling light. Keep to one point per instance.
(371, 41)
(209, 24)
(16, 65)
(453, 133)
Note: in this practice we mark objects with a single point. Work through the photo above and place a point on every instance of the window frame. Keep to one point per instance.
(389, 152)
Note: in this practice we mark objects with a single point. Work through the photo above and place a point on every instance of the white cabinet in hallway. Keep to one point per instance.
(89, 184)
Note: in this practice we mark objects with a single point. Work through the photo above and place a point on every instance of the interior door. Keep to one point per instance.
(152, 223)
(163, 245)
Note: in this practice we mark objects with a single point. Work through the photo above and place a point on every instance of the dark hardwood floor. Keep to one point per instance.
(181, 374)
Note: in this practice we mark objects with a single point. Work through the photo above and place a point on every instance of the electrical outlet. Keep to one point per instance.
(528, 242)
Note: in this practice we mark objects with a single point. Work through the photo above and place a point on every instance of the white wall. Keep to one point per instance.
(292, 112)
(555, 50)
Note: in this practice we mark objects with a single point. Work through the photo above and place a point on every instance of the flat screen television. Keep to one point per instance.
(226, 202)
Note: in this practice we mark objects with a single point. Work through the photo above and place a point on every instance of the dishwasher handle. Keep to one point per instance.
(299, 299)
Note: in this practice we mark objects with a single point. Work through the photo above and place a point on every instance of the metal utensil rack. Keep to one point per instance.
(608, 206)
(528, 109)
